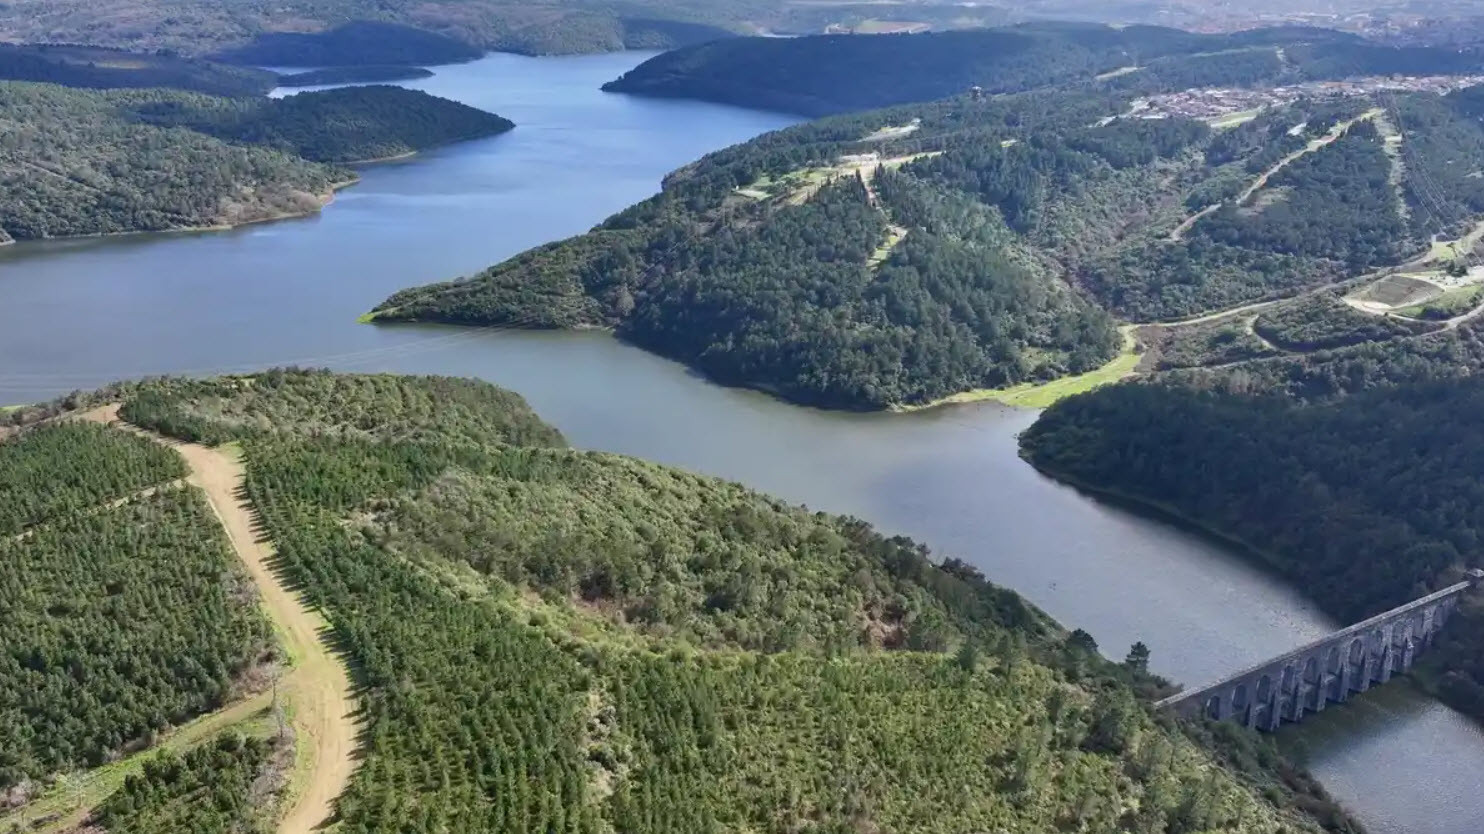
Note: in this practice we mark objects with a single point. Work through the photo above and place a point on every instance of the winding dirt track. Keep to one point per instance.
(318, 686)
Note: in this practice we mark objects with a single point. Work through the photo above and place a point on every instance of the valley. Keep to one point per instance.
(212, 304)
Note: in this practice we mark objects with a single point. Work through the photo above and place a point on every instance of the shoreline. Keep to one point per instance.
(1035, 396)
(1039, 395)
(374, 160)
(326, 199)
(1249, 553)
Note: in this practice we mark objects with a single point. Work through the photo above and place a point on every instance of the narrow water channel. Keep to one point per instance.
(82, 313)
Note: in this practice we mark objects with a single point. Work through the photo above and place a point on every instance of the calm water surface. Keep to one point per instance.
(80, 314)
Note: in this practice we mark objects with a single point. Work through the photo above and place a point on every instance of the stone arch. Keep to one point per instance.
(1289, 679)
(1311, 669)
(1332, 661)
(1376, 641)
(1212, 709)
(1241, 700)
(1264, 689)
(1355, 653)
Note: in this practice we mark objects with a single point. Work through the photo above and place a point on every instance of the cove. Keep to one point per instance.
(78, 314)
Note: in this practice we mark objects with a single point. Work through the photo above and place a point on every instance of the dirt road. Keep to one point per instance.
(318, 685)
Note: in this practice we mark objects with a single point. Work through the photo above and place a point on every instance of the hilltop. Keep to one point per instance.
(574, 641)
(974, 243)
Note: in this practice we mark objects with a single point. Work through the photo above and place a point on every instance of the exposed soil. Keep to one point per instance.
(318, 686)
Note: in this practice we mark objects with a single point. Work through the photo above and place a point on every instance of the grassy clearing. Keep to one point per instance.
(1044, 394)
(1115, 73)
(890, 27)
(1231, 120)
(1452, 303)
(65, 805)
(893, 132)
(894, 236)
(797, 187)
(1393, 292)
(1451, 250)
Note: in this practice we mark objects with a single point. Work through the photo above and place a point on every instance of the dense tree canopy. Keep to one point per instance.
(836, 73)
(82, 162)
(125, 611)
(354, 32)
(555, 640)
(342, 125)
(902, 255)
(74, 163)
(87, 66)
(1366, 502)
(363, 74)
(214, 789)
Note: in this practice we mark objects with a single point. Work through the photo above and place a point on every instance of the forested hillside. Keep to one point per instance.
(826, 74)
(1365, 502)
(904, 255)
(575, 641)
(125, 612)
(73, 162)
(82, 162)
(83, 66)
(342, 125)
(369, 73)
(341, 32)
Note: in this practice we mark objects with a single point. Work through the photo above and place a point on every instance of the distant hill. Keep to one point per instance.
(94, 67)
(351, 32)
(354, 44)
(366, 73)
(836, 73)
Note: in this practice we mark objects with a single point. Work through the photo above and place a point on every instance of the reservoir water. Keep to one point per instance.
(78, 314)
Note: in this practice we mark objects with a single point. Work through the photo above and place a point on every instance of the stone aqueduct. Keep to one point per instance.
(1289, 686)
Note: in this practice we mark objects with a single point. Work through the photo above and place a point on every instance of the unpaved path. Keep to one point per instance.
(1262, 180)
(65, 808)
(1334, 133)
(318, 686)
(1190, 221)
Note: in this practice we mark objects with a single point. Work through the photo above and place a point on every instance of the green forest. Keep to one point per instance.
(1365, 502)
(77, 164)
(903, 255)
(379, 73)
(341, 32)
(216, 788)
(554, 640)
(87, 162)
(126, 613)
(344, 125)
(826, 74)
(99, 68)
(455, 38)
